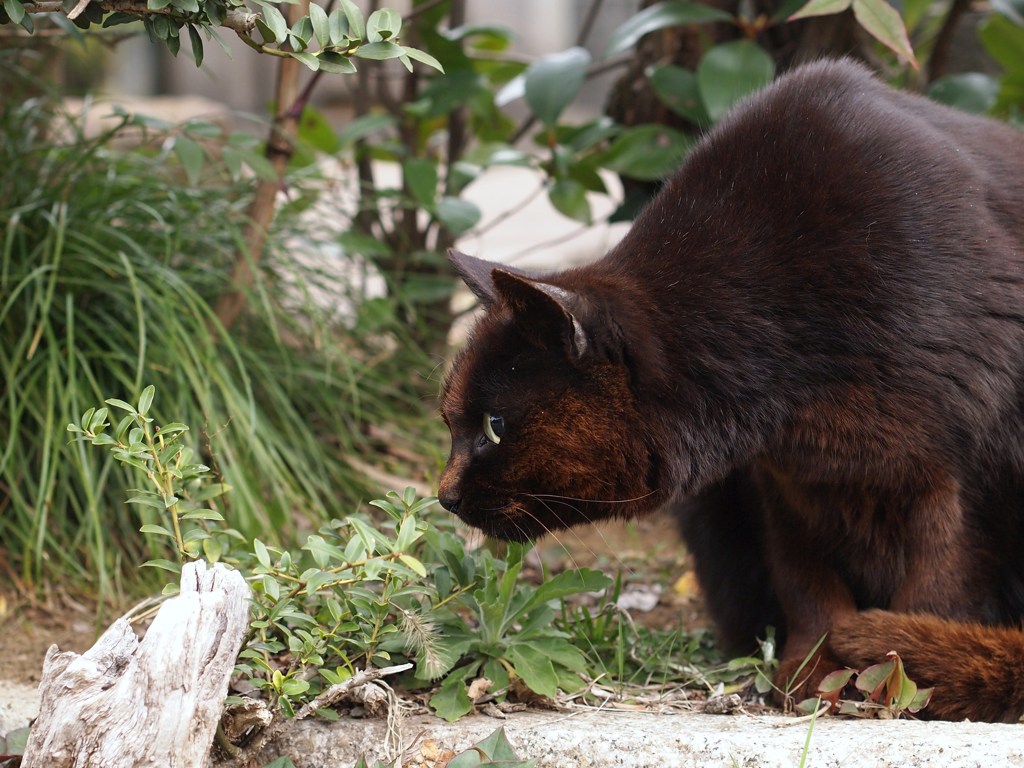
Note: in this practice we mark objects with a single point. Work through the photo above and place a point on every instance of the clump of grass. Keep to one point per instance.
(110, 261)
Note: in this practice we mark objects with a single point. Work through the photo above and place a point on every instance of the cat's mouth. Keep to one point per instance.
(511, 521)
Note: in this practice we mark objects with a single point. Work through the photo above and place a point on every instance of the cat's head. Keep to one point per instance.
(546, 429)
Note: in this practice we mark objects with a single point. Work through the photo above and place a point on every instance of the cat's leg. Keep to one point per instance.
(722, 528)
(938, 567)
(811, 591)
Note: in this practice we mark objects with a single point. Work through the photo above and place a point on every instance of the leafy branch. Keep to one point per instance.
(320, 40)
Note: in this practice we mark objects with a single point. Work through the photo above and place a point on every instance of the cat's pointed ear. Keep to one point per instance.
(476, 274)
(545, 312)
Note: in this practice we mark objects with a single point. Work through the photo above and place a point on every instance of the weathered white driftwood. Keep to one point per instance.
(150, 703)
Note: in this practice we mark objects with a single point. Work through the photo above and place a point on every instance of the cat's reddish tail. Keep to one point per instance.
(977, 670)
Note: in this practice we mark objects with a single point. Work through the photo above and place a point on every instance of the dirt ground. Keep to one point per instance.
(658, 592)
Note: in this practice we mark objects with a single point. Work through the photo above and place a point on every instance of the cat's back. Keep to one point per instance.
(827, 161)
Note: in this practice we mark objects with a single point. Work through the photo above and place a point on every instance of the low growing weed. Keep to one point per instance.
(359, 592)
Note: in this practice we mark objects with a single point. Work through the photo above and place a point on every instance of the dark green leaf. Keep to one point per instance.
(647, 152)
(553, 82)
(731, 71)
(969, 91)
(197, 45)
(335, 63)
(156, 5)
(678, 90)
(570, 199)
(660, 16)
(187, 6)
(451, 700)
(420, 176)
(535, 669)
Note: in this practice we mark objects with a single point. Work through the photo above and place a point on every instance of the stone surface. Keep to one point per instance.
(606, 739)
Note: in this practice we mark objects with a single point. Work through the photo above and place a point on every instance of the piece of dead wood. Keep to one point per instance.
(151, 703)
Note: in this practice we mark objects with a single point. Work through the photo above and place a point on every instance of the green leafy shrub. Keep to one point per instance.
(359, 592)
(110, 261)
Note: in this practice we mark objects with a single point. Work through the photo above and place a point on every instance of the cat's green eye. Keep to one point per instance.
(494, 428)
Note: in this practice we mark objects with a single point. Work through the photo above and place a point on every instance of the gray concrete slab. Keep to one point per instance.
(607, 739)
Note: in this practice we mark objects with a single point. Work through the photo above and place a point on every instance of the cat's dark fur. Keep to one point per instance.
(815, 333)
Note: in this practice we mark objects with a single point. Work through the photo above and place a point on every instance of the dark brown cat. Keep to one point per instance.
(815, 333)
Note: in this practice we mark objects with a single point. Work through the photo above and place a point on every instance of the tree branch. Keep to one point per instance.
(238, 20)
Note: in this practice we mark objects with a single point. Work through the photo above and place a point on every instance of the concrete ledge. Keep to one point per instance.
(605, 739)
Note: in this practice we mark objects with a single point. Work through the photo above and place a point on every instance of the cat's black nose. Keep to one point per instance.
(449, 501)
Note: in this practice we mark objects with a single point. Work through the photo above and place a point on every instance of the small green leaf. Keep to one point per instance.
(203, 514)
(309, 59)
(321, 24)
(413, 564)
(383, 24)
(553, 82)
(159, 530)
(661, 16)
(380, 51)
(884, 23)
(356, 25)
(821, 8)
(166, 565)
(156, 5)
(276, 23)
(337, 26)
(15, 10)
(122, 405)
(452, 699)
(212, 549)
(146, 399)
(871, 680)
(147, 499)
(731, 71)
(458, 215)
(262, 555)
(835, 681)
(423, 57)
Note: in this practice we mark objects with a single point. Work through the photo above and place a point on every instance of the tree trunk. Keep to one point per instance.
(150, 703)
